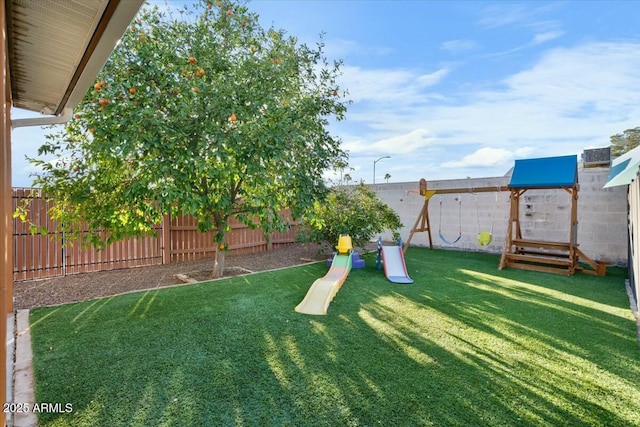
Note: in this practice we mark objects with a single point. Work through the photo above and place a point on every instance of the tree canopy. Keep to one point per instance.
(625, 141)
(201, 111)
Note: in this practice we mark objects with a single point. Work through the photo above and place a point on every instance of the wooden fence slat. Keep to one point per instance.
(39, 257)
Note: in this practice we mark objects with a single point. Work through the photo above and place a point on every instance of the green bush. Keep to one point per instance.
(354, 210)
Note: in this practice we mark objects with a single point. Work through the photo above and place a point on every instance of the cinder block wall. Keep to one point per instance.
(545, 214)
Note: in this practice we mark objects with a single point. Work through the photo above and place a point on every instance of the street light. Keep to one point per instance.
(374, 166)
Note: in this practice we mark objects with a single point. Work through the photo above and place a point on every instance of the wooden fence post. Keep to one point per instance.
(166, 239)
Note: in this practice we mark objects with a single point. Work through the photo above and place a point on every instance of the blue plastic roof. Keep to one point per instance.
(546, 172)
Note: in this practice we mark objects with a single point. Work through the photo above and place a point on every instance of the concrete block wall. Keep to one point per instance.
(603, 217)
(545, 214)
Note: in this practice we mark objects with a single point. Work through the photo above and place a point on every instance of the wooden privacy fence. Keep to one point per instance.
(37, 256)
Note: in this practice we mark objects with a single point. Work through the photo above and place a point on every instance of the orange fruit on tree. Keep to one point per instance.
(199, 72)
(219, 4)
(196, 90)
(335, 93)
(103, 101)
(229, 12)
(92, 130)
(221, 246)
(192, 60)
(77, 116)
(97, 86)
(233, 117)
(132, 90)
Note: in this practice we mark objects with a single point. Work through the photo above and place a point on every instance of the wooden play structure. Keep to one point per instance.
(560, 257)
(423, 224)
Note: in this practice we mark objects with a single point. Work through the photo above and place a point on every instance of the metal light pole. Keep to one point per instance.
(374, 166)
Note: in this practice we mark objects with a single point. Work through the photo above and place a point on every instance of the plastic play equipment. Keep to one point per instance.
(485, 237)
(392, 259)
(322, 291)
(356, 261)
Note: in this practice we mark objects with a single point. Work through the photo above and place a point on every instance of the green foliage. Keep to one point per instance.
(354, 210)
(625, 141)
(206, 114)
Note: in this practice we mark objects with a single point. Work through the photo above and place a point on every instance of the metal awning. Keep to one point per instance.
(57, 47)
(624, 169)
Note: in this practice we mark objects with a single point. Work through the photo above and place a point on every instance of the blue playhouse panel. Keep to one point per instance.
(546, 172)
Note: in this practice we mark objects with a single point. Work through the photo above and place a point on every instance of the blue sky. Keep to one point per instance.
(453, 89)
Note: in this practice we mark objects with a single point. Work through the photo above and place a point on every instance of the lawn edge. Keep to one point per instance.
(633, 305)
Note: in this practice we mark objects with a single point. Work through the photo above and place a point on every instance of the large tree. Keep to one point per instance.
(201, 112)
(625, 141)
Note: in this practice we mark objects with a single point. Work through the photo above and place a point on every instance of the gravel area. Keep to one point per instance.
(86, 286)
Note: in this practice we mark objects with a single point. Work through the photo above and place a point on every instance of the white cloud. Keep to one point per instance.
(490, 157)
(459, 46)
(399, 144)
(503, 14)
(538, 39)
(570, 99)
(342, 48)
(545, 37)
(380, 85)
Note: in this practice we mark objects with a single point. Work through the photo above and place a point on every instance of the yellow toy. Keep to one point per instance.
(344, 244)
(484, 238)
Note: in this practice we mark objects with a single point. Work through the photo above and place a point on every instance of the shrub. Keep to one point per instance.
(354, 210)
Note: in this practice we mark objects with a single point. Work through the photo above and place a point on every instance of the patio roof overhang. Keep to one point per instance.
(56, 48)
(624, 169)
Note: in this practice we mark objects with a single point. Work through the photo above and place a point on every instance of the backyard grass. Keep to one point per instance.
(465, 345)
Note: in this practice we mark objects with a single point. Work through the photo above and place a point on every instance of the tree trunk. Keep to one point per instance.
(218, 267)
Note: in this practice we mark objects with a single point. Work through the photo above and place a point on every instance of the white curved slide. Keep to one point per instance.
(394, 266)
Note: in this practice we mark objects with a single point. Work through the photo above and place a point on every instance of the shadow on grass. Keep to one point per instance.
(464, 345)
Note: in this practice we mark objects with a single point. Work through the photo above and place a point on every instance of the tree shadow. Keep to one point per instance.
(468, 348)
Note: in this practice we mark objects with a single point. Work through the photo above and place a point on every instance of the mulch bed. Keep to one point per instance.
(86, 286)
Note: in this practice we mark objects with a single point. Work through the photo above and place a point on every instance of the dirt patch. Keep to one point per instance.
(81, 287)
(204, 275)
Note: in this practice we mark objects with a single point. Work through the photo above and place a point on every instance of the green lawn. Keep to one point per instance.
(465, 345)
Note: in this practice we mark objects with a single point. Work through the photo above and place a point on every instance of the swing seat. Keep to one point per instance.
(484, 238)
(449, 242)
